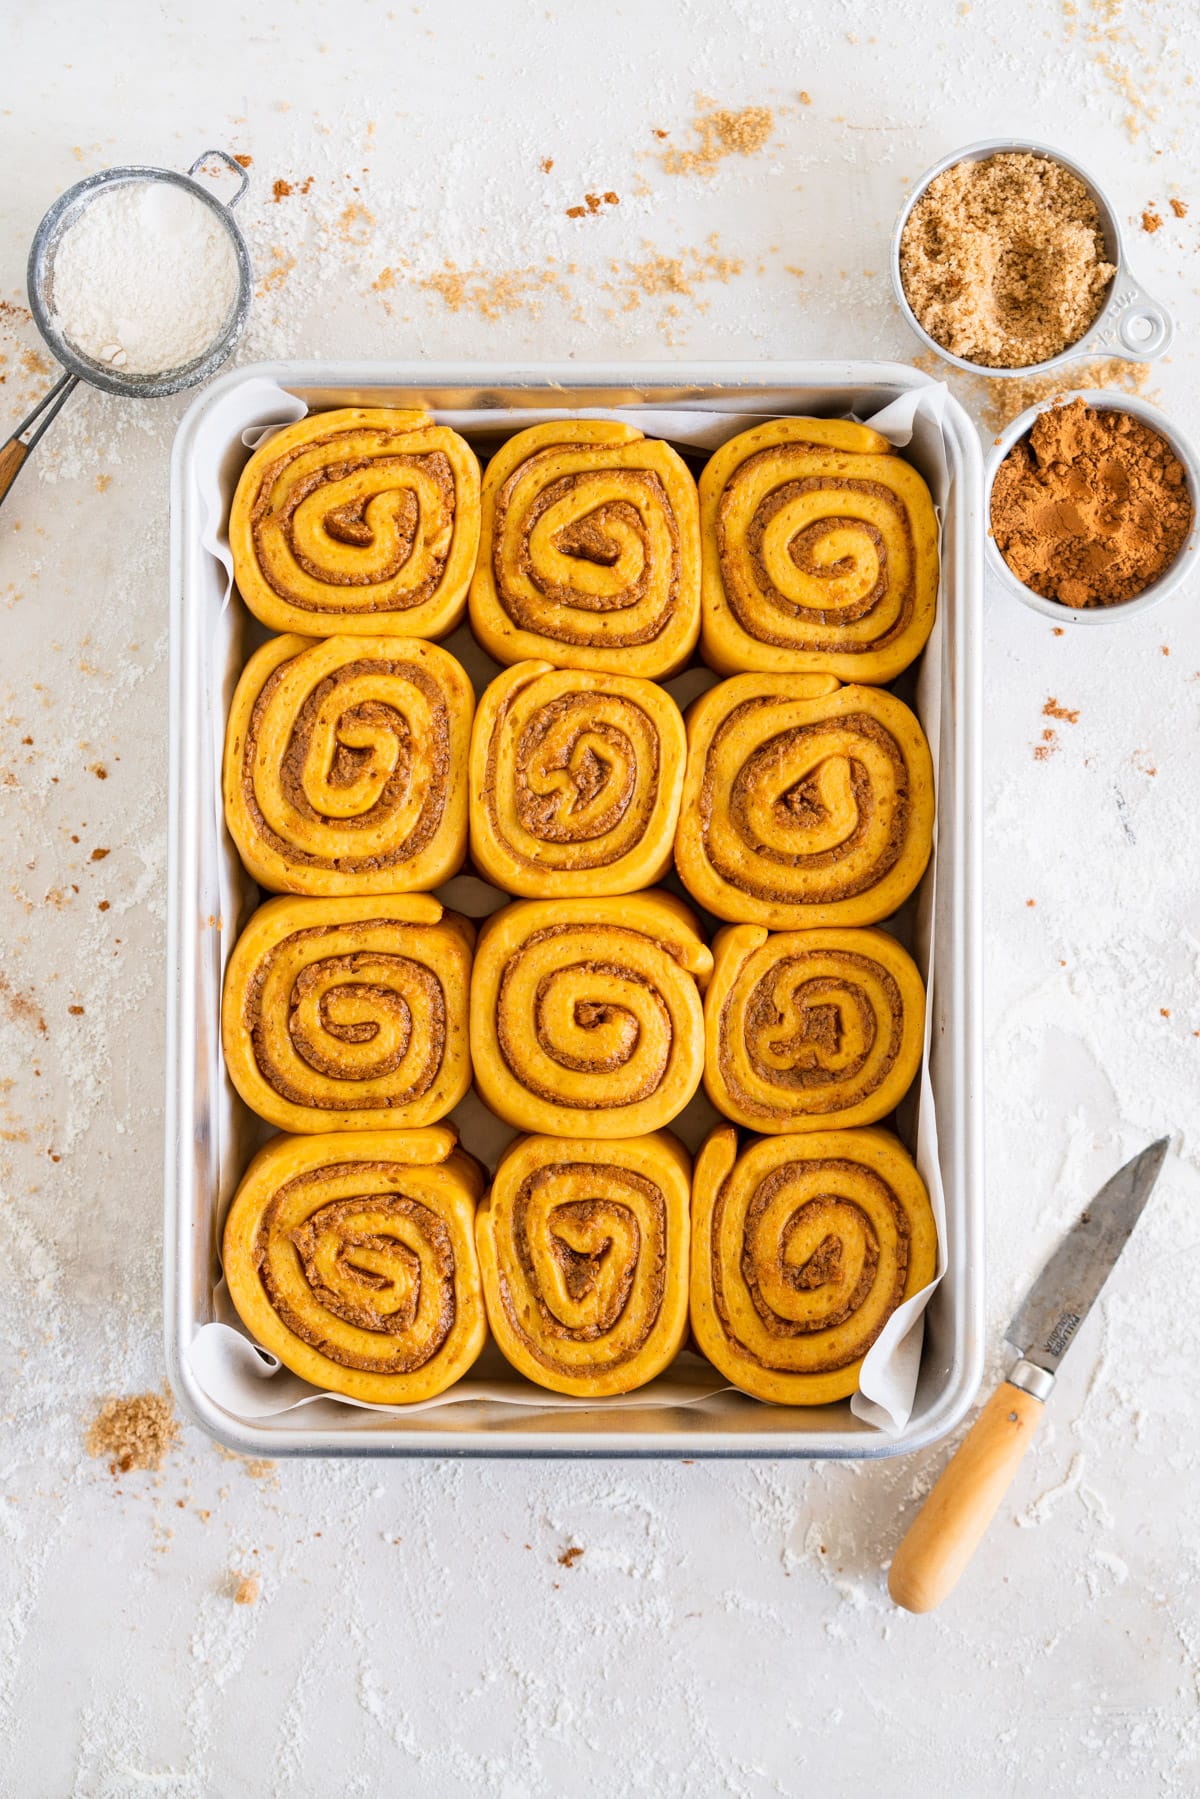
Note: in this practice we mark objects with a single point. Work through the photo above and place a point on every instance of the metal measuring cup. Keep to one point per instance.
(1131, 323)
(134, 386)
(1172, 577)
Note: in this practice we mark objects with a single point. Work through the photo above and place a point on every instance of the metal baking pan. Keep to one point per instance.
(209, 1135)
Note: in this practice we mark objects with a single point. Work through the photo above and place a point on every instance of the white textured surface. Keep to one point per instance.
(727, 1628)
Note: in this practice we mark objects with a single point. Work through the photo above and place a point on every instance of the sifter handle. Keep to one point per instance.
(16, 452)
(231, 162)
(12, 457)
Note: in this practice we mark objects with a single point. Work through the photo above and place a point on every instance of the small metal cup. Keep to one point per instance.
(1131, 323)
(1168, 582)
(134, 384)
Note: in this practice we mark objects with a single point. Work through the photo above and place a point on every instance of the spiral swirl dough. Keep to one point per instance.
(583, 1249)
(575, 782)
(820, 553)
(811, 1030)
(805, 804)
(349, 1014)
(802, 1248)
(351, 1256)
(589, 552)
(364, 520)
(346, 765)
(586, 1017)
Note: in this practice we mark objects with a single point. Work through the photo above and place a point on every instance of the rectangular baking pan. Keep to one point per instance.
(209, 642)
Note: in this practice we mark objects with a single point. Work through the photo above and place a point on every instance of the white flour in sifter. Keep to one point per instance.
(145, 279)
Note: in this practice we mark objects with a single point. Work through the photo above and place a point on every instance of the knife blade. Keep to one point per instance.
(1063, 1294)
(950, 1525)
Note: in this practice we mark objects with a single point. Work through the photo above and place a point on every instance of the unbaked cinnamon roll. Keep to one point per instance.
(351, 1257)
(586, 1018)
(346, 765)
(583, 1249)
(575, 782)
(589, 551)
(349, 1014)
(820, 550)
(811, 1030)
(805, 804)
(802, 1248)
(363, 520)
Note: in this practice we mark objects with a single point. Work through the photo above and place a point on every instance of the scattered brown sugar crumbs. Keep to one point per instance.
(276, 276)
(1000, 399)
(1057, 631)
(657, 275)
(547, 164)
(103, 483)
(99, 855)
(102, 906)
(256, 1467)
(1031, 902)
(133, 1432)
(722, 132)
(283, 190)
(98, 769)
(1049, 746)
(1164, 1011)
(21, 1007)
(1179, 208)
(593, 203)
(1151, 220)
(243, 159)
(1003, 260)
(570, 1556)
(1052, 709)
(75, 1011)
(246, 1589)
(386, 278)
(355, 223)
(491, 293)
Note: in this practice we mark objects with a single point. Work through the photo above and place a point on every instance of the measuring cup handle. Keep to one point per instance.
(1139, 327)
(231, 162)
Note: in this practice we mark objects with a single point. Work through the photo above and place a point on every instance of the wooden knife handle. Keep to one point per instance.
(950, 1525)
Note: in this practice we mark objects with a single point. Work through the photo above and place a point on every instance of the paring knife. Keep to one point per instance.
(950, 1525)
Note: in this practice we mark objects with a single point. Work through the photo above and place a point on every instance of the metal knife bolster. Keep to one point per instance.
(1071, 1281)
(1038, 1382)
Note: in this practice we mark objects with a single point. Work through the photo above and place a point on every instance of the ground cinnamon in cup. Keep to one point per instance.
(1091, 507)
(1003, 260)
